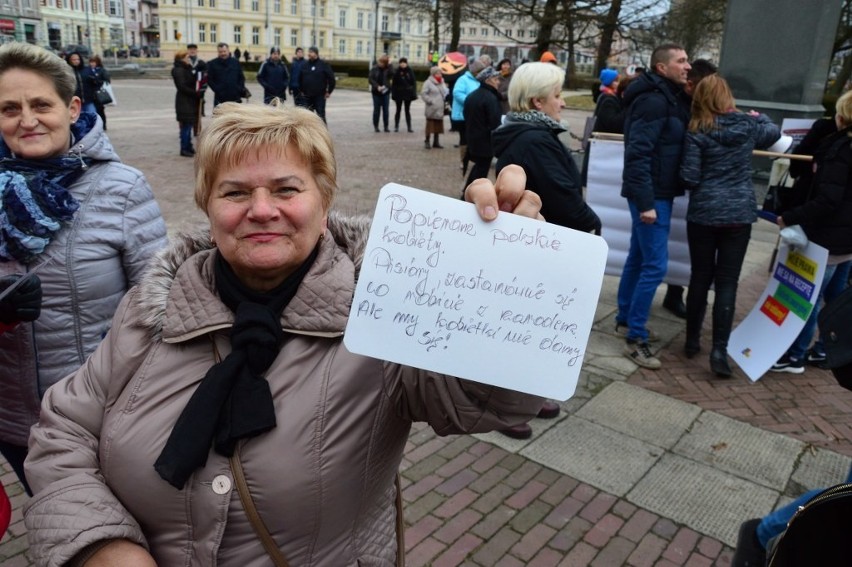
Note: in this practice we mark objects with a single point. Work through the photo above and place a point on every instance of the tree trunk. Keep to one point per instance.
(456, 26)
(545, 30)
(436, 23)
(607, 33)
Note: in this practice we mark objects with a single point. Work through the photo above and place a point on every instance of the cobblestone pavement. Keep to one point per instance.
(602, 485)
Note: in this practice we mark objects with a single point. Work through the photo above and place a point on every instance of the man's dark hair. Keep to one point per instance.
(191, 46)
(314, 48)
(221, 44)
(701, 68)
(662, 53)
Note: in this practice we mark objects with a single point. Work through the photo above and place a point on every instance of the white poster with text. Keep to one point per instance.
(508, 303)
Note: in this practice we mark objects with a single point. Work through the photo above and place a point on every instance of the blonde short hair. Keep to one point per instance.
(237, 131)
(533, 80)
(180, 54)
(843, 107)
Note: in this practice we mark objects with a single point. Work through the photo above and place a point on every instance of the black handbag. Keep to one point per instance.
(777, 195)
(103, 96)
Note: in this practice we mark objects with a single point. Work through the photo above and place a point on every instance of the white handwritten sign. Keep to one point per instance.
(508, 303)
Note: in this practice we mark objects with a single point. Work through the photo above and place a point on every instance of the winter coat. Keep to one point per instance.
(551, 172)
(316, 78)
(295, 74)
(826, 215)
(380, 80)
(433, 94)
(322, 479)
(186, 98)
(716, 166)
(273, 77)
(463, 86)
(504, 93)
(482, 115)
(404, 85)
(93, 79)
(803, 171)
(654, 128)
(609, 114)
(96, 258)
(225, 77)
(78, 77)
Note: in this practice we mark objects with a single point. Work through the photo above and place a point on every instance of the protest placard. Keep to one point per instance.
(780, 314)
(508, 303)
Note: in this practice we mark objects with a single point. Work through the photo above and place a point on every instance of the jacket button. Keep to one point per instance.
(221, 484)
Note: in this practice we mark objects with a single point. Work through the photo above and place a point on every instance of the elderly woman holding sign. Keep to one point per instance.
(223, 407)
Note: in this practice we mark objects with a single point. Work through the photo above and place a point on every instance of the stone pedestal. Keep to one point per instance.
(776, 54)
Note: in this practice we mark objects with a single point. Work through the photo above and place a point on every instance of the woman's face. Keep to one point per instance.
(93, 63)
(34, 122)
(552, 104)
(266, 216)
(74, 59)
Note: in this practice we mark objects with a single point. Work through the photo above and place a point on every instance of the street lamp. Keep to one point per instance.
(88, 29)
(376, 34)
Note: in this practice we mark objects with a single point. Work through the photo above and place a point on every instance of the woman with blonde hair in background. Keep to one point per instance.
(186, 100)
(433, 95)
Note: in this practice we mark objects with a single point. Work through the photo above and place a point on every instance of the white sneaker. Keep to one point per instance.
(640, 353)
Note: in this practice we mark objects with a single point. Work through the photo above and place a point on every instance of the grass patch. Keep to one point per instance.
(579, 102)
(353, 83)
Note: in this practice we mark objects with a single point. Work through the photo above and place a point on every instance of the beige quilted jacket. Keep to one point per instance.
(323, 479)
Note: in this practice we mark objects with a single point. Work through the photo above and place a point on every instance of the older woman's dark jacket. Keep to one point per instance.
(93, 79)
(826, 216)
(551, 172)
(717, 167)
(404, 84)
(482, 112)
(186, 99)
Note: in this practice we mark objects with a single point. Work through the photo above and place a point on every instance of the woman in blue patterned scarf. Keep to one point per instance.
(70, 210)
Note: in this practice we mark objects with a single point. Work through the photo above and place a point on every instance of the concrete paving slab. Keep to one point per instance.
(640, 413)
(594, 454)
(818, 468)
(706, 499)
(733, 446)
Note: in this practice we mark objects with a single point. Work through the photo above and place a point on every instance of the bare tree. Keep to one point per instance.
(842, 49)
(695, 24)
(608, 25)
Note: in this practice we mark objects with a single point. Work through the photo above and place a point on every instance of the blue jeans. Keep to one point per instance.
(381, 102)
(776, 522)
(185, 137)
(644, 269)
(833, 283)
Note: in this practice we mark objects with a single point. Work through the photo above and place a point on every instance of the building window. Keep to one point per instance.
(484, 32)
(294, 38)
(201, 3)
(214, 33)
(419, 51)
(384, 22)
(175, 31)
(276, 6)
(359, 47)
(471, 31)
(508, 33)
(360, 20)
(341, 22)
(322, 39)
(406, 51)
(407, 25)
(212, 3)
(520, 33)
(255, 35)
(313, 8)
(370, 23)
(341, 46)
(322, 9)
(294, 7)
(276, 37)
(255, 5)
(202, 33)
(238, 4)
(238, 35)
(420, 26)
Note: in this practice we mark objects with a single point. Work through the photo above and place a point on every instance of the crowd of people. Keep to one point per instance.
(155, 407)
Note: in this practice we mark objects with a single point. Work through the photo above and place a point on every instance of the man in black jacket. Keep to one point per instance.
(316, 83)
(273, 77)
(225, 77)
(654, 128)
(482, 113)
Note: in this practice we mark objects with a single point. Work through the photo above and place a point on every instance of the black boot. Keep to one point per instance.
(673, 301)
(694, 322)
(723, 320)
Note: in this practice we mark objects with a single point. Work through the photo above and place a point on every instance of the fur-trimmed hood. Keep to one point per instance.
(188, 261)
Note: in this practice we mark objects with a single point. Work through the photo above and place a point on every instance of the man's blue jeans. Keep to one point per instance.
(381, 102)
(644, 269)
(833, 283)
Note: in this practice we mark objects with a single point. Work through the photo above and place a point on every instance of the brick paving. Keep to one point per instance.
(468, 502)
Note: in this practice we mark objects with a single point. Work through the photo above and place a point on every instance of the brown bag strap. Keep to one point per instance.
(260, 529)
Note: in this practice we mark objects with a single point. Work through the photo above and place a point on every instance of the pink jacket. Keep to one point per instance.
(323, 479)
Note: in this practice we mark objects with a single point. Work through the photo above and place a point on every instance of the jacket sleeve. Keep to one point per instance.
(831, 183)
(452, 405)
(610, 116)
(241, 78)
(213, 75)
(766, 132)
(647, 120)
(690, 165)
(261, 75)
(180, 83)
(329, 74)
(143, 228)
(72, 506)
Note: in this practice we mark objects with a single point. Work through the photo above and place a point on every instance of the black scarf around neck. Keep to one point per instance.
(233, 401)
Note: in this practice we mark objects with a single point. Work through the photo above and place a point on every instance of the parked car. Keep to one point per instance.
(81, 49)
